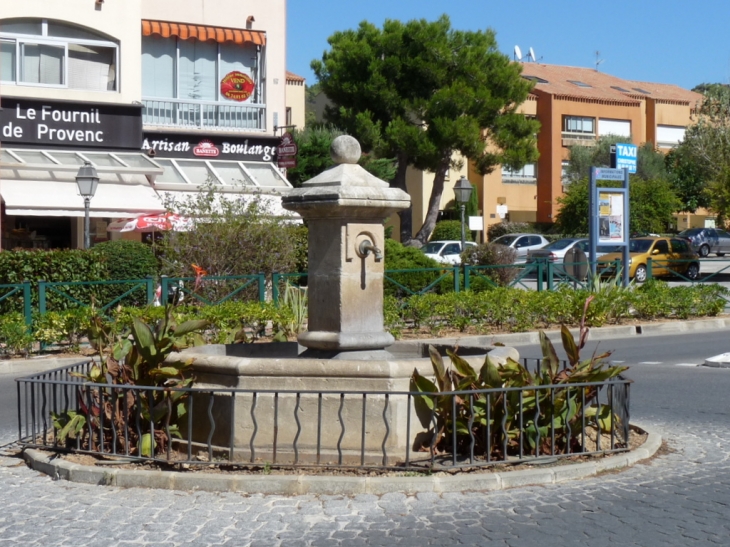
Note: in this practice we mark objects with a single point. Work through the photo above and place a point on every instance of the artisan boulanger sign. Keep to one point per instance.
(177, 145)
(68, 123)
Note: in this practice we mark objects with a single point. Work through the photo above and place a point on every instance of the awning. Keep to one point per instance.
(203, 32)
(62, 199)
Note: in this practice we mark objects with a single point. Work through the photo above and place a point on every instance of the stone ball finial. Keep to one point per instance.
(345, 149)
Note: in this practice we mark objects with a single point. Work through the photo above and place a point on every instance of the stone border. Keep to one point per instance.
(335, 485)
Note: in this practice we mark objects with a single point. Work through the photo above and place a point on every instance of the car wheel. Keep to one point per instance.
(640, 274)
(693, 272)
(704, 250)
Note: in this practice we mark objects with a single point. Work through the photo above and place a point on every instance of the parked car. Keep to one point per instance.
(668, 255)
(708, 240)
(556, 251)
(522, 243)
(446, 252)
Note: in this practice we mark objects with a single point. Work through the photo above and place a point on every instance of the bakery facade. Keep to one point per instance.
(159, 107)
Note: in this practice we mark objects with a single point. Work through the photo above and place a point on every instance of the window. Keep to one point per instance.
(662, 246)
(680, 246)
(526, 175)
(621, 89)
(669, 136)
(51, 53)
(579, 83)
(643, 91)
(579, 124)
(614, 127)
(191, 70)
(535, 79)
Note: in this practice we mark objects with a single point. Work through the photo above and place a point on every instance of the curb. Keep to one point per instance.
(595, 333)
(334, 485)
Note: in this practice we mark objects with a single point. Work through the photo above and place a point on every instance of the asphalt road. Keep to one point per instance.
(681, 498)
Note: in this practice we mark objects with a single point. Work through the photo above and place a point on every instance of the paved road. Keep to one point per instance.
(681, 498)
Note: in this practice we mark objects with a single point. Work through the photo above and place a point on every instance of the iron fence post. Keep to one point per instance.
(467, 283)
(262, 286)
(457, 276)
(649, 269)
(150, 284)
(540, 270)
(550, 267)
(275, 287)
(41, 297)
(164, 287)
(27, 310)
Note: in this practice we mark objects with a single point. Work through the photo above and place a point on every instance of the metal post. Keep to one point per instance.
(463, 228)
(87, 234)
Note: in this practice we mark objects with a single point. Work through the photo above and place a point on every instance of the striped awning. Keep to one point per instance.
(185, 31)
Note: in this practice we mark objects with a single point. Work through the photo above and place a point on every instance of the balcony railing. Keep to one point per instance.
(572, 138)
(203, 114)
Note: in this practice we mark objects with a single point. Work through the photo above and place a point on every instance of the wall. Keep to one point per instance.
(270, 16)
(119, 20)
(296, 100)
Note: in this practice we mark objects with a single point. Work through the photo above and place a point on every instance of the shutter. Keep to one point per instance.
(614, 127)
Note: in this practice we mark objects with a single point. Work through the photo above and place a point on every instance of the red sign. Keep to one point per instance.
(287, 147)
(288, 162)
(206, 149)
(237, 86)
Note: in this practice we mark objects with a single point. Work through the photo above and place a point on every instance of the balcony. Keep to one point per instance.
(572, 138)
(209, 115)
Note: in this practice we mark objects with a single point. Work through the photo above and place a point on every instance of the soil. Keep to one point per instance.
(636, 439)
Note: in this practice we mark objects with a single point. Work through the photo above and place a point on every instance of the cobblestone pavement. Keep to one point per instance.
(681, 498)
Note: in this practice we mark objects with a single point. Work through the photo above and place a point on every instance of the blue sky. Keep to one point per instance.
(667, 41)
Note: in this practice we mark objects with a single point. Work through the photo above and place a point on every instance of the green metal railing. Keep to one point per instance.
(278, 278)
(219, 288)
(445, 272)
(12, 289)
(47, 288)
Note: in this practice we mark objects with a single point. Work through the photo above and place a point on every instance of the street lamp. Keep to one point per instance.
(462, 191)
(87, 181)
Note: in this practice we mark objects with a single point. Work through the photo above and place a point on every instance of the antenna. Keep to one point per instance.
(598, 59)
(532, 55)
(518, 53)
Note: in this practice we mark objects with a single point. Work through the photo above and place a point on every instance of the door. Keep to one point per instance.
(723, 241)
(661, 258)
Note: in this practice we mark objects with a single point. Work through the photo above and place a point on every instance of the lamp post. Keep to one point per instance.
(462, 191)
(87, 181)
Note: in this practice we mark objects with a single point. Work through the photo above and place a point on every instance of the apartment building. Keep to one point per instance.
(575, 106)
(161, 97)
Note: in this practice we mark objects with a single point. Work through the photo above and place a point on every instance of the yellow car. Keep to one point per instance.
(669, 256)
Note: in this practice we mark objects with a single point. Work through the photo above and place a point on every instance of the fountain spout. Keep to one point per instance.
(367, 246)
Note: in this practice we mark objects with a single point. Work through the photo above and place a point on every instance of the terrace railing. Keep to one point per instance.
(209, 115)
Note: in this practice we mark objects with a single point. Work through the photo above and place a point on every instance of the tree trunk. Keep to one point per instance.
(434, 202)
(406, 215)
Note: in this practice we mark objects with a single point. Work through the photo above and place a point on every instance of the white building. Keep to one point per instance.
(160, 96)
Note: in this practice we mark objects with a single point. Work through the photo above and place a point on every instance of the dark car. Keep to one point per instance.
(708, 240)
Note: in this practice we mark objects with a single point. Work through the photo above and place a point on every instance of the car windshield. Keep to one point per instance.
(560, 244)
(505, 240)
(640, 245)
(432, 248)
(691, 232)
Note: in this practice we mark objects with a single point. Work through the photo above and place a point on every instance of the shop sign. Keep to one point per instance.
(206, 149)
(287, 162)
(67, 123)
(237, 86)
(179, 145)
(287, 151)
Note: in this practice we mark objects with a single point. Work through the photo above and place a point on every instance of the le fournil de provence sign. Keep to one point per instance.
(66, 123)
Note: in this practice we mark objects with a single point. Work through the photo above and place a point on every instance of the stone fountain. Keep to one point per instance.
(346, 348)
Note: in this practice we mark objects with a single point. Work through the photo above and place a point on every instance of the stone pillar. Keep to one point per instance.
(345, 208)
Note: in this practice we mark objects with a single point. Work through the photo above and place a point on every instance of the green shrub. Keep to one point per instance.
(449, 230)
(400, 257)
(57, 265)
(490, 254)
(126, 260)
(15, 339)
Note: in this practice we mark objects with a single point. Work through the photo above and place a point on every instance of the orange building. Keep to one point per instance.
(575, 106)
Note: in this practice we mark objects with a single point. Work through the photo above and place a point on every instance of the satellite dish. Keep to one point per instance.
(518, 53)
(532, 54)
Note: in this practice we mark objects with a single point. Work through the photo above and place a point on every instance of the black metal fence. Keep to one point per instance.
(60, 410)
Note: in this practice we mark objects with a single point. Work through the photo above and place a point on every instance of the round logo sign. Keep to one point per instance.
(237, 86)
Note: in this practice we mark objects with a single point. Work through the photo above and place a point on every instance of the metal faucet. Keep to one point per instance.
(366, 246)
